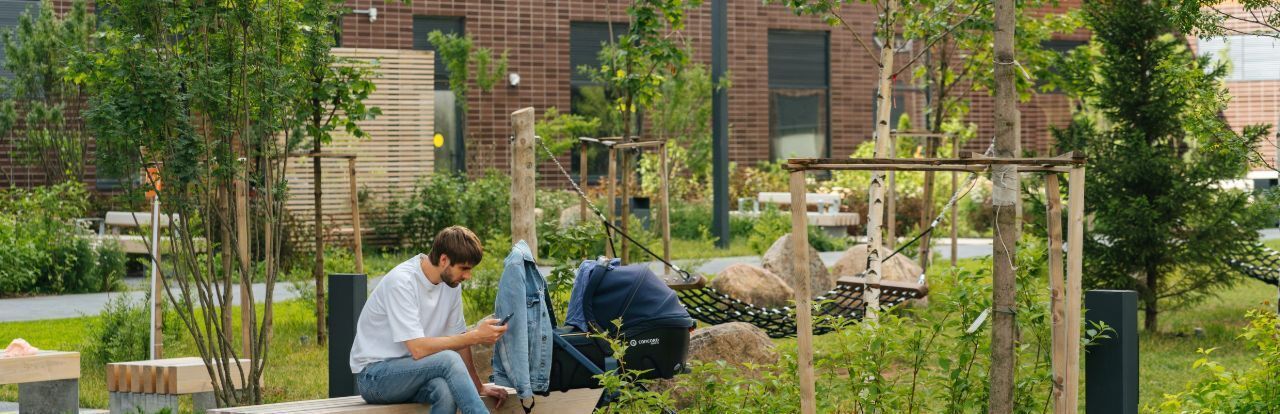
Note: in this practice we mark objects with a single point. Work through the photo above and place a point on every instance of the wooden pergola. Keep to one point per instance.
(1065, 293)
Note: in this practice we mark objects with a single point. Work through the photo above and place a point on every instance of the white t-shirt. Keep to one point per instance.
(404, 306)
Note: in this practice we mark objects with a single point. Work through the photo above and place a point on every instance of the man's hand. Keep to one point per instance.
(488, 331)
(499, 394)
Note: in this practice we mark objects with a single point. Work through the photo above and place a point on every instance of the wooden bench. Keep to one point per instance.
(109, 228)
(828, 216)
(572, 402)
(48, 382)
(157, 384)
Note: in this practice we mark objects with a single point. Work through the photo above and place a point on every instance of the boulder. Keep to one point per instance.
(899, 268)
(778, 259)
(753, 285)
(735, 343)
(570, 217)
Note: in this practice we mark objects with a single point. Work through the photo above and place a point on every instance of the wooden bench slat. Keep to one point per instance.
(43, 366)
(572, 402)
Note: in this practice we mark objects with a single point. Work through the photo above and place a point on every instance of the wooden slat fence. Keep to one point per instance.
(397, 153)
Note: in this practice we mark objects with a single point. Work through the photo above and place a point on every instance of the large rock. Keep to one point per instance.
(735, 343)
(570, 217)
(899, 268)
(753, 285)
(779, 258)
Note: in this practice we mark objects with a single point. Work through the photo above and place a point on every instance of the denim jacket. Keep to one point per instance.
(522, 357)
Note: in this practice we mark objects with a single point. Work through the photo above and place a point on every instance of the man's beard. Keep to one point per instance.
(448, 278)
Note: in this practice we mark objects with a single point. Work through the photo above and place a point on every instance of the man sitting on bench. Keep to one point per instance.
(412, 343)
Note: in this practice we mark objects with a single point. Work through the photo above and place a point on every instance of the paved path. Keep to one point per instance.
(70, 306)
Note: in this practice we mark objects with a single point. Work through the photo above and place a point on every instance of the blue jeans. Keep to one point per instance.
(441, 379)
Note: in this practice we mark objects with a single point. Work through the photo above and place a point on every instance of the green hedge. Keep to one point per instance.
(43, 252)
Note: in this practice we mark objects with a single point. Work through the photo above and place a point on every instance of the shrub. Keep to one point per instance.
(122, 332)
(773, 224)
(45, 252)
(1252, 390)
(447, 199)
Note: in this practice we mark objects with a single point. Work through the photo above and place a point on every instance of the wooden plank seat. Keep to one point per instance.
(572, 402)
(48, 382)
(157, 384)
(110, 230)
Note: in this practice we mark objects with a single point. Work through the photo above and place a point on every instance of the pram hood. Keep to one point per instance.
(633, 294)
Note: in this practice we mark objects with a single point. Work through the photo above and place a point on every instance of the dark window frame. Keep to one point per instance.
(778, 81)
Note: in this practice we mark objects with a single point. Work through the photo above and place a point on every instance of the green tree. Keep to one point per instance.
(216, 95)
(1163, 224)
(40, 105)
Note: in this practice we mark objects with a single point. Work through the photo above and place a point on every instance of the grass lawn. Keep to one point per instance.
(297, 367)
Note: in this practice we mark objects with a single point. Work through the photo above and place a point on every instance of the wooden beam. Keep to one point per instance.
(1075, 159)
(43, 366)
(323, 154)
(885, 167)
(638, 144)
(523, 187)
(1057, 293)
(357, 236)
(1075, 268)
(920, 134)
(611, 188)
(804, 317)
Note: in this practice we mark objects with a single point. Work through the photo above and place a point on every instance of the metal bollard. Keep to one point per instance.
(1111, 364)
(347, 294)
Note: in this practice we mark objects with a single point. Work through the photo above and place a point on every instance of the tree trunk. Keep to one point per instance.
(318, 270)
(1151, 313)
(1005, 202)
(875, 204)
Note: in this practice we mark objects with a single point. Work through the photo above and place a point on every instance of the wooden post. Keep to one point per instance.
(627, 172)
(582, 180)
(1075, 257)
(523, 189)
(1005, 195)
(247, 311)
(955, 153)
(804, 317)
(666, 206)
(157, 285)
(611, 201)
(926, 212)
(891, 200)
(1057, 292)
(357, 236)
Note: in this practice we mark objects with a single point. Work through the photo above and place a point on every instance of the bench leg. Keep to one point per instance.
(53, 397)
(203, 402)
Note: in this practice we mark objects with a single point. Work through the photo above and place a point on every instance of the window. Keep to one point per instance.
(448, 119)
(10, 10)
(587, 98)
(1250, 57)
(798, 94)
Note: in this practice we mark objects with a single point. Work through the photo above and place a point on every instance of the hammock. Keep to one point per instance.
(1258, 262)
(711, 306)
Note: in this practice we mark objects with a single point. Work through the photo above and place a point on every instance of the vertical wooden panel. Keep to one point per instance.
(666, 206)
(397, 153)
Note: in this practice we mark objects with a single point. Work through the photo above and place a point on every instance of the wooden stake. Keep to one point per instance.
(157, 285)
(1075, 257)
(582, 180)
(627, 172)
(891, 200)
(1057, 293)
(804, 317)
(611, 201)
(955, 153)
(1005, 195)
(926, 211)
(247, 311)
(666, 206)
(357, 236)
(523, 187)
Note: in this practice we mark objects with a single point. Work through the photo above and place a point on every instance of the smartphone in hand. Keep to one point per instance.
(503, 322)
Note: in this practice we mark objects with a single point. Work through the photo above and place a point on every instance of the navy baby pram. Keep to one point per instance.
(655, 328)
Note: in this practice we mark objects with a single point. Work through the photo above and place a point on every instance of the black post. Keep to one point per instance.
(1111, 364)
(719, 123)
(347, 293)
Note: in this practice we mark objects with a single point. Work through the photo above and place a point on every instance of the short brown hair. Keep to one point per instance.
(459, 243)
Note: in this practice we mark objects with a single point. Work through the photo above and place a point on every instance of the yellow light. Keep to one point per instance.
(438, 140)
